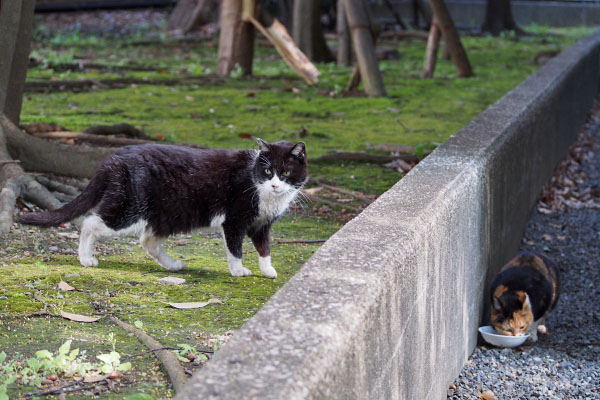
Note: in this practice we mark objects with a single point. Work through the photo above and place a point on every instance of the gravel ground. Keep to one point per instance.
(565, 363)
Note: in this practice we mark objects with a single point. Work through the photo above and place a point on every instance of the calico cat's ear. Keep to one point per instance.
(299, 150)
(497, 304)
(263, 146)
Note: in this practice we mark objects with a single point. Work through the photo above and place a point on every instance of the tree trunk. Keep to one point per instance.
(422, 7)
(498, 18)
(451, 37)
(397, 17)
(344, 52)
(16, 21)
(236, 43)
(364, 46)
(308, 33)
(285, 13)
(433, 43)
(189, 14)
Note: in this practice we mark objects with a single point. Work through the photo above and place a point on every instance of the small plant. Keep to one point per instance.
(187, 353)
(7, 375)
(237, 72)
(65, 363)
(112, 360)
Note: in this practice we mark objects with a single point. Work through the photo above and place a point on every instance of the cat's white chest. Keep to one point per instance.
(271, 207)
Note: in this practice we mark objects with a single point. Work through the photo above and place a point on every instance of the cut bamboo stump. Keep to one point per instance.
(451, 37)
(433, 43)
(364, 46)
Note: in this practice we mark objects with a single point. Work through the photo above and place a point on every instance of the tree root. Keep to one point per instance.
(170, 362)
(116, 129)
(364, 157)
(8, 199)
(28, 188)
(57, 186)
(38, 194)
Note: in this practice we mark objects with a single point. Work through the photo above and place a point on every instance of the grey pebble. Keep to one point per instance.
(3, 297)
(53, 249)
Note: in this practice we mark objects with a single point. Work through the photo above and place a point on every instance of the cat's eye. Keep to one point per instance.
(267, 171)
(286, 173)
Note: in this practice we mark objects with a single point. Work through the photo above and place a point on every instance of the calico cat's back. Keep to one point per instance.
(524, 291)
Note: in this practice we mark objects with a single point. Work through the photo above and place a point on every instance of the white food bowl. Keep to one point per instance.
(492, 336)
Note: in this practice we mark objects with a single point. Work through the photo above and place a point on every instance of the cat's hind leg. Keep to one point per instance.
(92, 228)
(152, 245)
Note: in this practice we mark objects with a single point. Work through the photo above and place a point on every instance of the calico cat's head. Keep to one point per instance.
(511, 311)
(281, 167)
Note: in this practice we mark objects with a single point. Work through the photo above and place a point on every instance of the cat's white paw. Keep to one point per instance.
(269, 272)
(88, 261)
(240, 270)
(174, 265)
(542, 329)
(266, 268)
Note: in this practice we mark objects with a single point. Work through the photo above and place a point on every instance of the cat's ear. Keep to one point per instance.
(524, 299)
(263, 146)
(497, 304)
(299, 150)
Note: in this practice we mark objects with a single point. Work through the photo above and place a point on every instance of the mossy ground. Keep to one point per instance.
(181, 100)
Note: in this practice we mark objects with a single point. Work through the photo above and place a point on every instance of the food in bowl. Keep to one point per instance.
(491, 336)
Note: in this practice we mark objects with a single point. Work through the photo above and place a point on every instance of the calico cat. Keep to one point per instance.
(523, 293)
(159, 190)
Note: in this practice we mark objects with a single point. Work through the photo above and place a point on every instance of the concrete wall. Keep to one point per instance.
(388, 308)
(472, 12)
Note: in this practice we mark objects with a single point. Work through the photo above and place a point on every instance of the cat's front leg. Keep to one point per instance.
(262, 243)
(233, 246)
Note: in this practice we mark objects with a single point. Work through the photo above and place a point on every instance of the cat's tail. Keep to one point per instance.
(90, 197)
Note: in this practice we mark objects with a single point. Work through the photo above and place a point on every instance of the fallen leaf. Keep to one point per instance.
(303, 132)
(487, 395)
(547, 237)
(94, 379)
(195, 304)
(64, 286)
(68, 235)
(171, 280)
(313, 191)
(245, 135)
(77, 317)
(453, 387)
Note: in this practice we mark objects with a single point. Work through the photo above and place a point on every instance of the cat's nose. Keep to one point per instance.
(275, 186)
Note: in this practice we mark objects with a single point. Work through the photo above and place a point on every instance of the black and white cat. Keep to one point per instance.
(159, 190)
